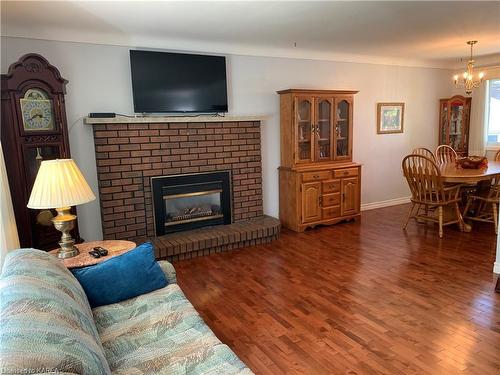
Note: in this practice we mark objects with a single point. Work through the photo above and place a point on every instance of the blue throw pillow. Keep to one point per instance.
(122, 277)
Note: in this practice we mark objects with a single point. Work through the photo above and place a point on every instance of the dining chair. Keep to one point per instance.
(483, 205)
(497, 156)
(429, 193)
(424, 152)
(445, 154)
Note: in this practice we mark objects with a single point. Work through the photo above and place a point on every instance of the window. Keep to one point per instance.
(493, 112)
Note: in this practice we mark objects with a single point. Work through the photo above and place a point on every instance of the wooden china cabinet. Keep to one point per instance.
(454, 120)
(319, 183)
(33, 129)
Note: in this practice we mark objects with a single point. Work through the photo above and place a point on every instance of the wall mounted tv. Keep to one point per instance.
(177, 82)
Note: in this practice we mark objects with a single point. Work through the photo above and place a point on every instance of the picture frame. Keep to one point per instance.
(390, 118)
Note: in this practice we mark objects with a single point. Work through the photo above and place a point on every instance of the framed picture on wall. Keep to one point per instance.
(390, 117)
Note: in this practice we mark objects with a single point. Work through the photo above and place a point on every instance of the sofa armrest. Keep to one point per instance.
(169, 271)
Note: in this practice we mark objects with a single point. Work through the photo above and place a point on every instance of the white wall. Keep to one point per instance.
(99, 81)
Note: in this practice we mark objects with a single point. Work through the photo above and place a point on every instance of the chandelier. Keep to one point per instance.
(467, 82)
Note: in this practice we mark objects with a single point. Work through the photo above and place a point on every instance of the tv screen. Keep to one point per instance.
(177, 82)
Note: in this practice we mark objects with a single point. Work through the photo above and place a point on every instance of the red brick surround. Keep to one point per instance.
(128, 155)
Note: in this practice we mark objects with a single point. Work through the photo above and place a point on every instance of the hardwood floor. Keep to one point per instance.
(359, 298)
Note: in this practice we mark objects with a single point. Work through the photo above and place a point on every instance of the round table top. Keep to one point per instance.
(84, 259)
(451, 173)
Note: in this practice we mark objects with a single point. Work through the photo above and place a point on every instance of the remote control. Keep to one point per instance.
(101, 250)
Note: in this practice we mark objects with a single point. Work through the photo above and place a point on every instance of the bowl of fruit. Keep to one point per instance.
(472, 162)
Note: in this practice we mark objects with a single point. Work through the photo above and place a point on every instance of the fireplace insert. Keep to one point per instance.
(188, 201)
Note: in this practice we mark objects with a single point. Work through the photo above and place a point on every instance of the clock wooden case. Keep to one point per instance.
(33, 129)
(319, 183)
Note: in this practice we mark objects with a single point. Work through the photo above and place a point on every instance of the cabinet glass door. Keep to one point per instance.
(304, 130)
(454, 120)
(342, 129)
(456, 125)
(443, 137)
(324, 129)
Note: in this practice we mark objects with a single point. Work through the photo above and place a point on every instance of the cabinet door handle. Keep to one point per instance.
(316, 176)
(321, 200)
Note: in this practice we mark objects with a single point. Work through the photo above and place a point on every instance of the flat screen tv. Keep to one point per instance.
(178, 82)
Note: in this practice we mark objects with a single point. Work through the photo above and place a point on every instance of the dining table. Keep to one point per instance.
(451, 173)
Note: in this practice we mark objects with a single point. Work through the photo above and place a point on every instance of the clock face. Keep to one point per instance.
(37, 111)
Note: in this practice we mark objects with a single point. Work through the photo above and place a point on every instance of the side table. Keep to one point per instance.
(84, 259)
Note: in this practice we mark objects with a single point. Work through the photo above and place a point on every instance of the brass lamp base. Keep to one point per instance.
(65, 222)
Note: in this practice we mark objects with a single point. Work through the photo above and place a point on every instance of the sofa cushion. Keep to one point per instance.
(168, 270)
(161, 333)
(46, 324)
(122, 277)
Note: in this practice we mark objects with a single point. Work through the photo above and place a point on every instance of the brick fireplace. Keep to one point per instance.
(129, 154)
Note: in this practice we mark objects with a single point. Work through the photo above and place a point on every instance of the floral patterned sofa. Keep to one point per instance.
(47, 325)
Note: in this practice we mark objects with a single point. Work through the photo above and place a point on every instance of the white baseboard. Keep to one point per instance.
(387, 203)
(496, 267)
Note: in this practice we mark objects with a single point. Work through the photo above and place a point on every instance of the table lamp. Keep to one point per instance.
(59, 184)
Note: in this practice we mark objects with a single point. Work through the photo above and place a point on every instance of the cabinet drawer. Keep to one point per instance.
(347, 172)
(331, 199)
(316, 176)
(331, 212)
(332, 186)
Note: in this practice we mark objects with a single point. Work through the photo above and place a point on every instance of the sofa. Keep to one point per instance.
(47, 326)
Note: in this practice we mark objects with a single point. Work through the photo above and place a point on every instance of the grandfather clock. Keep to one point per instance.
(33, 129)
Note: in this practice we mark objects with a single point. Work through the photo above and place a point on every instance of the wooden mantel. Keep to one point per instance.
(169, 119)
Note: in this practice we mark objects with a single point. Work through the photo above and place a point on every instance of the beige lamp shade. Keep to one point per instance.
(59, 183)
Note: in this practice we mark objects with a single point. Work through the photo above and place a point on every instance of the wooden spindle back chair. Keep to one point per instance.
(497, 156)
(484, 204)
(424, 152)
(428, 192)
(445, 154)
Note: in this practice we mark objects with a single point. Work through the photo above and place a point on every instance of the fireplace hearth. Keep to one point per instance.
(188, 201)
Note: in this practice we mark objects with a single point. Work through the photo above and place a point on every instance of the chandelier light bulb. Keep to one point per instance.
(465, 75)
(481, 75)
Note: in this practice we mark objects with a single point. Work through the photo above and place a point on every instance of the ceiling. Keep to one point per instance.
(402, 33)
